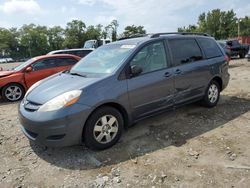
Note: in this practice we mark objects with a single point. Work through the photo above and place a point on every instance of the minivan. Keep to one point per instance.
(121, 83)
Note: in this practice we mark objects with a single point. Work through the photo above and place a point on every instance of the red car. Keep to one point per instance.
(14, 83)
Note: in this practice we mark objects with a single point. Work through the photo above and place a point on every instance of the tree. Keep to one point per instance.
(133, 30)
(33, 40)
(244, 26)
(190, 28)
(220, 24)
(8, 42)
(75, 34)
(93, 32)
(111, 30)
(55, 38)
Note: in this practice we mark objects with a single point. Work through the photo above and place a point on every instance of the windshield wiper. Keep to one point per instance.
(77, 74)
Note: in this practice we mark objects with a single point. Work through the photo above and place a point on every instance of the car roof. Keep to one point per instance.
(57, 56)
(70, 50)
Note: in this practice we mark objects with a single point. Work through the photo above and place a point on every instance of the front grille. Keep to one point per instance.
(31, 106)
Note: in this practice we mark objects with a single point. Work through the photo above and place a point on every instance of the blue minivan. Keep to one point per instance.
(121, 83)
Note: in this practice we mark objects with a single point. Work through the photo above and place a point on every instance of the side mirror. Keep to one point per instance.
(135, 70)
(28, 69)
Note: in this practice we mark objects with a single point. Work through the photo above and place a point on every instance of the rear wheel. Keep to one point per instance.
(13, 92)
(242, 55)
(212, 95)
(103, 129)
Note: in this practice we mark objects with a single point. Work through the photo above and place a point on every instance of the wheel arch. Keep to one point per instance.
(219, 81)
(1, 89)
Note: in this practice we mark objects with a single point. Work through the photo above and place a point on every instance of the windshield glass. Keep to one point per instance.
(22, 65)
(103, 60)
(89, 44)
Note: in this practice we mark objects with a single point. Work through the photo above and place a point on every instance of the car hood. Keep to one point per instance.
(56, 85)
(6, 73)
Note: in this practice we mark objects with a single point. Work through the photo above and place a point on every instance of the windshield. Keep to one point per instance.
(89, 44)
(103, 60)
(22, 65)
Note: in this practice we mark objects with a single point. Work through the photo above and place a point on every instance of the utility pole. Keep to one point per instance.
(239, 20)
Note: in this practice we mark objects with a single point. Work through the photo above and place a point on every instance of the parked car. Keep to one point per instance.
(78, 52)
(96, 43)
(121, 83)
(225, 47)
(237, 49)
(248, 55)
(3, 60)
(14, 83)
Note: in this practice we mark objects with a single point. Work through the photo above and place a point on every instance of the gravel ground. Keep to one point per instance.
(189, 147)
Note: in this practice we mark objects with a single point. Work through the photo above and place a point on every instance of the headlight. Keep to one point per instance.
(63, 100)
(32, 87)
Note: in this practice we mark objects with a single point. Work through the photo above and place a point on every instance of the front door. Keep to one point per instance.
(153, 89)
(40, 69)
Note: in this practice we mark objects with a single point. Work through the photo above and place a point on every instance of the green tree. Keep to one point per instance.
(220, 24)
(190, 28)
(111, 30)
(8, 42)
(244, 26)
(33, 40)
(75, 34)
(93, 32)
(55, 38)
(133, 30)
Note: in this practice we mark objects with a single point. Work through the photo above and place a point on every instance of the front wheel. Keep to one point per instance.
(13, 92)
(212, 95)
(103, 129)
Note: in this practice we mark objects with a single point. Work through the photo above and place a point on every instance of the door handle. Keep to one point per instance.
(177, 71)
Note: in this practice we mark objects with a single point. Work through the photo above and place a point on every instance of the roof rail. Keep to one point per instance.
(179, 33)
(133, 36)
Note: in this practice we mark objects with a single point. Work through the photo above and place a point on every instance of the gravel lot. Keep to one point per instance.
(189, 147)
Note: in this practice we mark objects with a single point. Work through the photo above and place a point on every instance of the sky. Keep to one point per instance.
(154, 15)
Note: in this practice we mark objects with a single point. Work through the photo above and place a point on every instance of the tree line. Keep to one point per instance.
(33, 40)
(220, 24)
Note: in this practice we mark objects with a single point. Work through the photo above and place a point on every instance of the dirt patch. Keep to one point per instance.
(189, 147)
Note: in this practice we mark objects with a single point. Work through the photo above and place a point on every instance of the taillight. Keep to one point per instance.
(227, 59)
(228, 47)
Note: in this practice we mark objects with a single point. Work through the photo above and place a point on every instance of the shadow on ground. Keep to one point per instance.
(161, 131)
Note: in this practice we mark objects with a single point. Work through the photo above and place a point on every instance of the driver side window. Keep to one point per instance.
(151, 58)
(44, 64)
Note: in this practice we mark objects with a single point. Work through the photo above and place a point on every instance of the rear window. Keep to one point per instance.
(185, 51)
(210, 47)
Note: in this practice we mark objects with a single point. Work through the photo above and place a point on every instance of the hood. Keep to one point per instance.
(6, 73)
(56, 85)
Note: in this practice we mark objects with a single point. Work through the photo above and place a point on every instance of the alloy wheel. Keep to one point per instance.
(105, 129)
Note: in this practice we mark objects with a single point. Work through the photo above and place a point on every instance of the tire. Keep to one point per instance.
(242, 55)
(13, 92)
(212, 95)
(103, 129)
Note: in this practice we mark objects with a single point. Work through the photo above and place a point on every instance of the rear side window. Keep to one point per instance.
(66, 62)
(185, 51)
(210, 47)
(82, 53)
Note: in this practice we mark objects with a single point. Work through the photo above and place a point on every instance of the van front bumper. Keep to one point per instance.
(55, 129)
